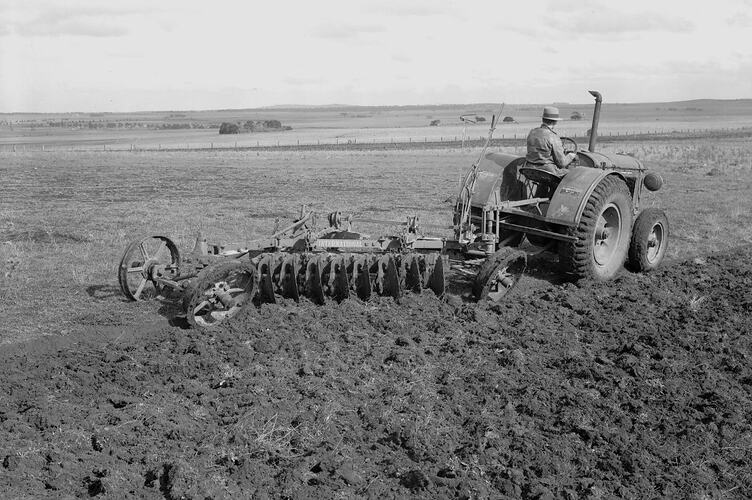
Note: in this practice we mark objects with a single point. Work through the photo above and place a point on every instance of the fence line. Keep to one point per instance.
(506, 139)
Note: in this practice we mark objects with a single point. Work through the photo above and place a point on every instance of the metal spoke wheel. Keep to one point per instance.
(220, 293)
(144, 262)
(499, 274)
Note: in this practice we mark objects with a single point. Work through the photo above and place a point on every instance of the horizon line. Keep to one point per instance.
(334, 106)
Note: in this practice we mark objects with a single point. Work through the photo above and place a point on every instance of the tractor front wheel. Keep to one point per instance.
(649, 240)
(603, 233)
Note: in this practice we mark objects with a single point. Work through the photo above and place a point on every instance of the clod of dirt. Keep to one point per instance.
(414, 480)
(94, 487)
(10, 462)
(265, 346)
(97, 443)
(119, 401)
(347, 472)
(715, 171)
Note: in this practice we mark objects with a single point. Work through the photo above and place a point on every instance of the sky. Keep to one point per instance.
(133, 55)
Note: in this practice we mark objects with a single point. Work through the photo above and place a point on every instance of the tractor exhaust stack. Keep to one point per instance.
(596, 117)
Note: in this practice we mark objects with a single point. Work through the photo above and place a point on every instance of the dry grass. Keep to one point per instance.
(65, 218)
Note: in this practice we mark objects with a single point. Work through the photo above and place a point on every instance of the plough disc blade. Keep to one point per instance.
(288, 276)
(339, 284)
(313, 286)
(411, 269)
(436, 276)
(265, 272)
(321, 276)
(387, 278)
(361, 277)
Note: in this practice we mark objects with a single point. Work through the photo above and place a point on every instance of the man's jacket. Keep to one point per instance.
(544, 149)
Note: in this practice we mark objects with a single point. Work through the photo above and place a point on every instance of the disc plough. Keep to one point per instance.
(297, 263)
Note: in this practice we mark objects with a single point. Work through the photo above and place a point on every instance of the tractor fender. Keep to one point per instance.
(571, 195)
(496, 180)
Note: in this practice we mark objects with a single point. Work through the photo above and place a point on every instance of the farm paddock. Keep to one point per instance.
(634, 388)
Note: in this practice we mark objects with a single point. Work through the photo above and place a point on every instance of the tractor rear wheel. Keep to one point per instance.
(603, 233)
(649, 240)
(499, 274)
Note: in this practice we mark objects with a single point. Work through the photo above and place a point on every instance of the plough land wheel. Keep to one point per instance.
(649, 240)
(220, 293)
(603, 234)
(499, 274)
(145, 260)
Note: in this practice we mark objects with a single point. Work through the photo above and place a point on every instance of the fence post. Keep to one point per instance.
(42, 147)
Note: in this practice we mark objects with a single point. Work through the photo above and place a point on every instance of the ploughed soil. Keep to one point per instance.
(637, 388)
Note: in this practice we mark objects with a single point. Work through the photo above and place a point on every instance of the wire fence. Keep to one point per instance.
(362, 143)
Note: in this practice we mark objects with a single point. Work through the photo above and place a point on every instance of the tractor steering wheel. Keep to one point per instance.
(569, 144)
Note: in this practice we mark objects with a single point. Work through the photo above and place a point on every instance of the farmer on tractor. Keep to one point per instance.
(544, 147)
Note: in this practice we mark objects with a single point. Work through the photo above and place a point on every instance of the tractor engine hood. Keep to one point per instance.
(615, 161)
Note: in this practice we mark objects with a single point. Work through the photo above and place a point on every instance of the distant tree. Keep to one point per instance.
(576, 116)
(434, 123)
(272, 124)
(249, 125)
(508, 119)
(229, 128)
(480, 118)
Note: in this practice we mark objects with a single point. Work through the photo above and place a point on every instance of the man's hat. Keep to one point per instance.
(551, 113)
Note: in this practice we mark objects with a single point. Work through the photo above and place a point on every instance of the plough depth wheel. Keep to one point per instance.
(220, 293)
(499, 274)
(144, 261)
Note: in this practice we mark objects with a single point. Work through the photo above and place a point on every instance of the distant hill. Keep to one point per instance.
(326, 115)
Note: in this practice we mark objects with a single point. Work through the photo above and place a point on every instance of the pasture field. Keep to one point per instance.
(343, 124)
(65, 217)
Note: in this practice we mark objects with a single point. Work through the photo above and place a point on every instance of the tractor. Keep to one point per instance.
(591, 217)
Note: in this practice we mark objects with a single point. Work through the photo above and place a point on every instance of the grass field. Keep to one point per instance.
(329, 125)
(65, 217)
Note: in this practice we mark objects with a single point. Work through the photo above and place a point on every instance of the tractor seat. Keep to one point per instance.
(545, 181)
(540, 176)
